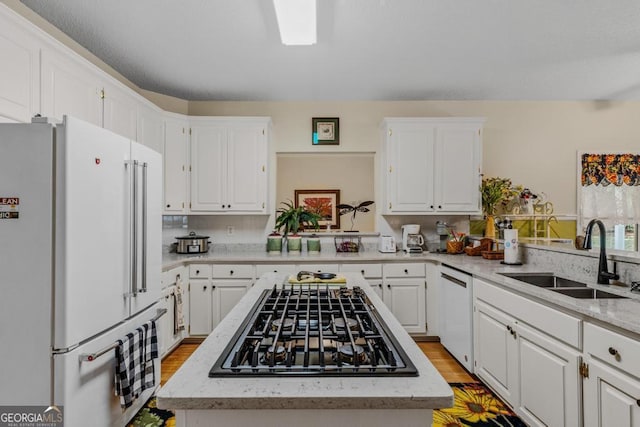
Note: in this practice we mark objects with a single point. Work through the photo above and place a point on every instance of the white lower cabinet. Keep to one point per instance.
(536, 373)
(215, 290)
(372, 272)
(169, 337)
(403, 293)
(612, 385)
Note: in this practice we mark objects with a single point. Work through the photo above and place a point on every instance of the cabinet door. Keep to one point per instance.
(610, 397)
(247, 168)
(457, 178)
(409, 169)
(226, 295)
(495, 351)
(19, 73)
(405, 299)
(150, 128)
(549, 381)
(200, 319)
(67, 87)
(176, 148)
(119, 111)
(208, 168)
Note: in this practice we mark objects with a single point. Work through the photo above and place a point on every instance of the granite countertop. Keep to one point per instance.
(191, 388)
(619, 313)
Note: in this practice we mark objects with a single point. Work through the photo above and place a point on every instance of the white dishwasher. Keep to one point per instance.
(456, 314)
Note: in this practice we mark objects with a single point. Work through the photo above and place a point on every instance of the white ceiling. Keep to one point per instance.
(367, 49)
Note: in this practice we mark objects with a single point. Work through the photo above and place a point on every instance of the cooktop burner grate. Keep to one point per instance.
(314, 329)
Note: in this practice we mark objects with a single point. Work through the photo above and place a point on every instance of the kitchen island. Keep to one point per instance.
(313, 400)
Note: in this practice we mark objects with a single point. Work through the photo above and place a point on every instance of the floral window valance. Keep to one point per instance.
(605, 169)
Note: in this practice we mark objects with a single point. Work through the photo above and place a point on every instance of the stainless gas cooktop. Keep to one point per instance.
(316, 330)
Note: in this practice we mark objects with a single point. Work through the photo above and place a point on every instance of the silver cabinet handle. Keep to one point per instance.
(453, 280)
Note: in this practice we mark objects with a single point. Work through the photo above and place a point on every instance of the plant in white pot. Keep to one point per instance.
(290, 219)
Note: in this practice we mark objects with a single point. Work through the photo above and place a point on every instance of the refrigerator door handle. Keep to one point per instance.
(144, 228)
(134, 232)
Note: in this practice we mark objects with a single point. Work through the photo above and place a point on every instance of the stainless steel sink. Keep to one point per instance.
(545, 280)
(561, 285)
(586, 293)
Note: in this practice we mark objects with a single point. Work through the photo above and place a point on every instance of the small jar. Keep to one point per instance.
(274, 243)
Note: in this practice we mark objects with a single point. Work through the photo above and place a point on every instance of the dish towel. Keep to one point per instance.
(178, 317)
(135, 361)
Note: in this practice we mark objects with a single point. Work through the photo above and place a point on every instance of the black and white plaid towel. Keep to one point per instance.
(135, 355)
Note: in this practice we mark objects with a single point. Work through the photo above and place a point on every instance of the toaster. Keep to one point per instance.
(387, 244)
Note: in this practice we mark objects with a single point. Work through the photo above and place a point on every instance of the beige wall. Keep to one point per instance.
(533, 143)
(351, 173)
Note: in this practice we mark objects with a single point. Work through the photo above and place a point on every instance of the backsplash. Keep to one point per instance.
(577, 264)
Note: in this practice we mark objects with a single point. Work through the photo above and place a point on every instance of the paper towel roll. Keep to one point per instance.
(511, 246)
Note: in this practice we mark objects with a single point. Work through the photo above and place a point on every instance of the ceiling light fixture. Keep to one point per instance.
(297, 21)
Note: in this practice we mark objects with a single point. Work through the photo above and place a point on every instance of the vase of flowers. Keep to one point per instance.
(496, 192)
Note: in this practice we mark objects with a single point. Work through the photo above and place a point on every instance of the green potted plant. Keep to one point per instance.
(290, 219)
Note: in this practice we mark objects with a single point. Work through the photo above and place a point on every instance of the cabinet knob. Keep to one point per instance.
(213, 287)
(614, 353)
(379, 285)
(197, 271)
(204, 288)
(388, 286)
(230, 272)
(431, 206)
(362, 271)
(168, 206)
(406, 271)
(439, 206)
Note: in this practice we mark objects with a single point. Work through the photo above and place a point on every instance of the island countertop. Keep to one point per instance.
(191, 388)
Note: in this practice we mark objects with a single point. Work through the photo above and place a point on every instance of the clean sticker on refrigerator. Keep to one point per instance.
(9, 207)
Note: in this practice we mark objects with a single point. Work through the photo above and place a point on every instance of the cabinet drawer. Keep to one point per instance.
(404, 270)
(275, 268)
(202, 271)
(616, 349)
(318, 268)
(232, 271)
(555, 323)
(367, 270)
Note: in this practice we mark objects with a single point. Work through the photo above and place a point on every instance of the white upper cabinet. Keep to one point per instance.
(431, 165)
(119, 111)
(19, 72)
(229, 165)
(150, 127)
(69, 87)
(176, 163)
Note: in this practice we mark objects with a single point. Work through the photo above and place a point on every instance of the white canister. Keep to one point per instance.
(511, 246)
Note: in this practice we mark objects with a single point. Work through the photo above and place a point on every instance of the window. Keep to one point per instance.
(609, 190)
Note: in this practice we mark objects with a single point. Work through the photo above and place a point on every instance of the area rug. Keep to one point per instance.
(151, 416)
(475, 405)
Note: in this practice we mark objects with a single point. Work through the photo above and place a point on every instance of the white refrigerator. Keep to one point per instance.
(80, 263)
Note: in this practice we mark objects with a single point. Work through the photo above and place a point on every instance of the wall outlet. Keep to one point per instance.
(230, 230)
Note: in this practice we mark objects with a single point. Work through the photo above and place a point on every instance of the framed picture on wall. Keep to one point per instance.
(325, 131)
(322, 202)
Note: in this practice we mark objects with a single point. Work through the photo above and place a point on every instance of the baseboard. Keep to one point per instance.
(425, 338)
(193, 340)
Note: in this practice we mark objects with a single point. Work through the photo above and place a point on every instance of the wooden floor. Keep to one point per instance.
(448, 367)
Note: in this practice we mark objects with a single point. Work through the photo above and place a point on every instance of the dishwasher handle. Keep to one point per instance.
(454, 280)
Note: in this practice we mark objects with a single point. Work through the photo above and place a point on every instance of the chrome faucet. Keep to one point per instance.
(603, 272)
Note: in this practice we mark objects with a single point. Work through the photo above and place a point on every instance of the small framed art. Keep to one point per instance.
(325, 131)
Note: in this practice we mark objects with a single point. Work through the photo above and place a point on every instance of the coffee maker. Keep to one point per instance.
(442, 230)
(412, 240)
